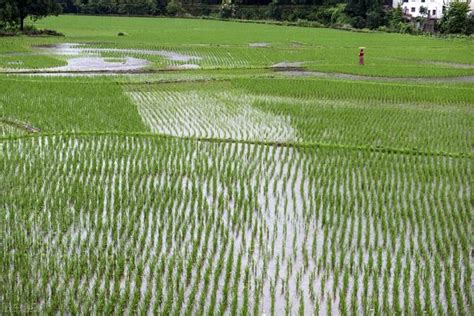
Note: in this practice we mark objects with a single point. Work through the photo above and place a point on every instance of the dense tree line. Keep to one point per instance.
(372, 14)
(131, 7)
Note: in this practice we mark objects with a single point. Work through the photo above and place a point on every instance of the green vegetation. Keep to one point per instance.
(14, 12)
(457, 19)
(75, 104)
(379, 92)
(233, 188)
(29, 62)
(369, 14)
(227, 45)
(129, 224)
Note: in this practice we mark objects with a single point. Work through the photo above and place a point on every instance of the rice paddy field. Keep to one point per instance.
(197, 167)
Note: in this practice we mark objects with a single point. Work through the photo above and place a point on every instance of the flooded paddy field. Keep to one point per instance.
(234, 171)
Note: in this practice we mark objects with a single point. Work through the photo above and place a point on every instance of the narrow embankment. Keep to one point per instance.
(20, 125)
(294, 72)
(379, 149)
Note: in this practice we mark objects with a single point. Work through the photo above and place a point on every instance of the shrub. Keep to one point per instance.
(394, 18)
(250, 13)
(406, 28)
(295, 15)
(227, 11)
(375, 18)
(307, 23)
(141, 7)
(273, 12)
(470, 24)
(358, 22)
(322, 15)
(455, 19)
(203, 11)
(174, 9)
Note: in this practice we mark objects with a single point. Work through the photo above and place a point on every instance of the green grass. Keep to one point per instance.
(16, 52)
(30, 62)
(359, 90)
(312, 111)
(114, 224)
(226, 45)
(233, 189)
(55, 104)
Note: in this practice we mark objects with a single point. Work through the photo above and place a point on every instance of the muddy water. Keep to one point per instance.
(101, 64)
(259, 45)
(185, 66)
(68, 49)
(82, 59)
(90, 66)
(285, 64)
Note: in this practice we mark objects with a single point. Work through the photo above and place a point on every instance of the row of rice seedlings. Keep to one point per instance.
(9, 129)
(376, 124)
(210, 112)
(370, 92)
(206, 56)
(124, 224)
(35, 105)
(211, 115)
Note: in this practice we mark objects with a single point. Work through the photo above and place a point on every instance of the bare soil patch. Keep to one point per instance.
(288, 66)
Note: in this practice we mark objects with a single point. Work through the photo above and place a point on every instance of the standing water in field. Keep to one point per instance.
(81, 58)
(207, 227)
(211, 115)
(102, 64)
(68, 49)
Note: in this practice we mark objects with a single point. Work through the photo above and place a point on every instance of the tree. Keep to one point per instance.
(14, 12)
(137, 7)
(69, 6)
(7, 13)
(365, 13)
(455, 20)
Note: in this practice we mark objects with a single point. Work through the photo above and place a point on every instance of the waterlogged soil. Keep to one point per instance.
(68, 49)
(451, 65)
(288, 66)
(83, 59)
(185, 67)
(101, 64)
(260, 45)
(288, 71)
(87, 60)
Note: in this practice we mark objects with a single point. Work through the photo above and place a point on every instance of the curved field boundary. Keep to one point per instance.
(387, 150)
(336, 75)
(288, 71)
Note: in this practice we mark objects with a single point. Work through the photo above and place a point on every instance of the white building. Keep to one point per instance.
(434, 8)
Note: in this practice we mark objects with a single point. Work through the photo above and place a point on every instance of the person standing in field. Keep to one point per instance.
(361, 57)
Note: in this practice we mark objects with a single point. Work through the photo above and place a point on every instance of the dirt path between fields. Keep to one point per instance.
(293, 72)
(287, 71)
